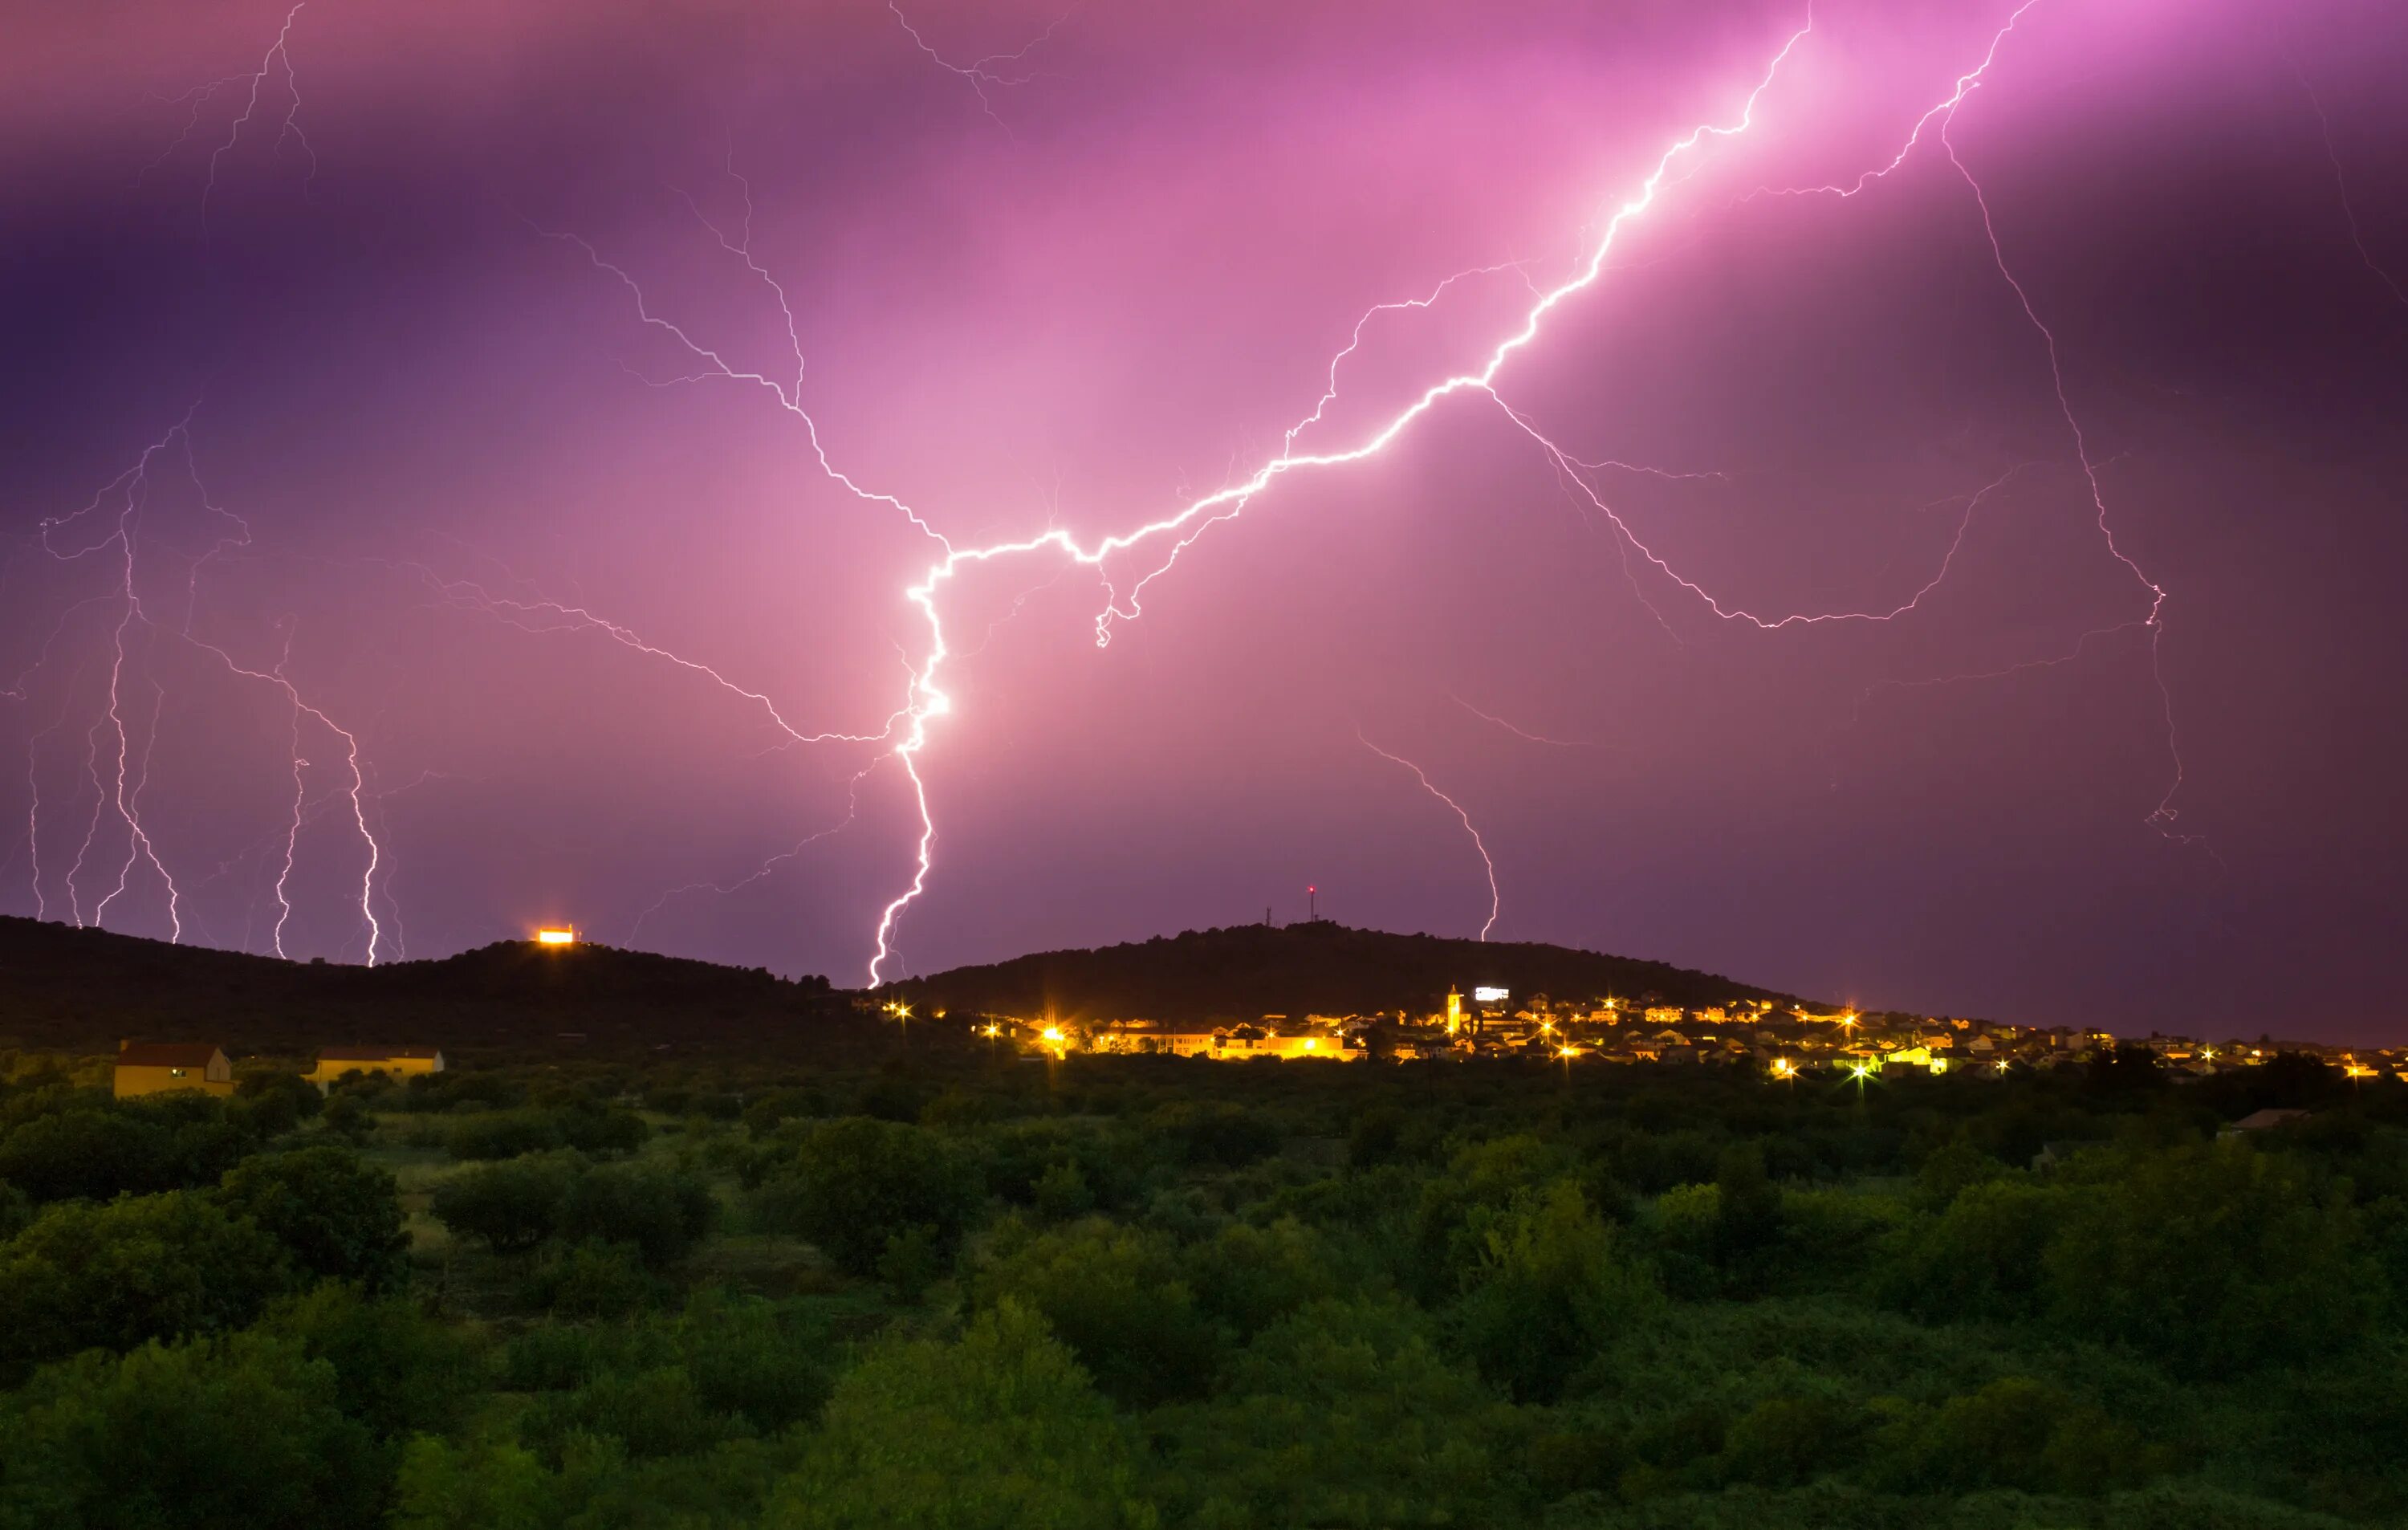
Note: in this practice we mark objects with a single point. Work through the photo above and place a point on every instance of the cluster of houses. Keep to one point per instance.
(1786, 1039)
(154, 1067)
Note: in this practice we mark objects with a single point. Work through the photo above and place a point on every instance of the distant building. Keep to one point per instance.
(2259, 1120)
(392, 1062)
(154, 1067)
(555, 935)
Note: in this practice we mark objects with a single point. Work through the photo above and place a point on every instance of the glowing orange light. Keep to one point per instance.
(1052, 1033)
(555, 937)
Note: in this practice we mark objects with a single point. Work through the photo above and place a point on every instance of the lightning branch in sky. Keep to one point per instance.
(1487, 863)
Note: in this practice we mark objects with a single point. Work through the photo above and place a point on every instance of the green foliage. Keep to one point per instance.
(661, 1211)
(854, 1184)
(244, 1433)
(1247, 1277)
(594, 1280)
(90, 1154)
(336, 1217)
(996, 1432)
(2016, 1433)
(396, 1370)
(1980, 1258)
(1217, 1135)
(2214, 1259)
(512, 1206)
(142, 1267)
(1343, 1413)
(490, 1135)
(1549, 1290)
(1118, 1299)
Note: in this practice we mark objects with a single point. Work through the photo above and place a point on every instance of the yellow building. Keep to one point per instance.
(398, 1062)
(154, 1067)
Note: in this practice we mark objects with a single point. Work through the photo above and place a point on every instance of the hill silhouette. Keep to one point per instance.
(85, 990)
(1319, 967)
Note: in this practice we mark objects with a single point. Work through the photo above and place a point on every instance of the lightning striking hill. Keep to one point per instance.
(1319, 967)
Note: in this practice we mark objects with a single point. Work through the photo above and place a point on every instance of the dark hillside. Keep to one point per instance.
(86, 990)
(1319, 967)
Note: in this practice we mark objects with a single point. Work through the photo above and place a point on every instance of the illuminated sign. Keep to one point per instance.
(555, 937)
(1491, 995)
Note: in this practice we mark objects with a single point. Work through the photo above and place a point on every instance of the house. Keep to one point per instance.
(2258, 1121)
(154, 1067)
(396, 1062)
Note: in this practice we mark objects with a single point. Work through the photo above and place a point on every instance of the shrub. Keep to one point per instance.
(511, 1206)
(594, 1280)
(241, 1430)
(659, 1211)
(1000, 1429)
(854, 1184)
(1118, 1299)
(504, 1133)
(143, 1267)
(336, 1216)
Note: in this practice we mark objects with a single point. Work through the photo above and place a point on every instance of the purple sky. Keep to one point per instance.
(1082, 288)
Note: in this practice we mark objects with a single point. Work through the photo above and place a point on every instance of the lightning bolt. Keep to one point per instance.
(2162, 819)
(981, 72)
(2341, 183)
(291, 127)
(1155, 547)
(126, 777)
(1523, 732)
(1477, 843)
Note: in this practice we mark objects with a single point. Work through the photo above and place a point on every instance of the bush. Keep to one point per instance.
(854, 1184)
(143, 1267)
(336, 1217)
(594, 1280)
(1218, 1135)
(1117, 1297)
(998, 1430)
(2216, 1259)
(659, 1211)
(396, 1370)
(245, 1431)
(504, 1133)
(511, 1206)
(603, 1129)
(1549, 1290)
(90, 1154)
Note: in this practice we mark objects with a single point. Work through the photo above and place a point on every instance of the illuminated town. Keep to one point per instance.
(1784, 1040)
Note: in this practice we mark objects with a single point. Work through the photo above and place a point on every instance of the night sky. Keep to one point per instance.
(339, 336)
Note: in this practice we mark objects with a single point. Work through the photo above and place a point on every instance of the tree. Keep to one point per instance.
(1343, 1413)
(90, 1154)
(1550, 1288)
(662, 1212)
(242, 1433)
(997, 1432)
(336, 1217)
(396, 1370)
(854, 1184)
(512, 1206)
(1115, 1296)
(2216, 1259)
(141, 1267)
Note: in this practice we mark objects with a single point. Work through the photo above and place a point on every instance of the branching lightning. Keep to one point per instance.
(1124, 563)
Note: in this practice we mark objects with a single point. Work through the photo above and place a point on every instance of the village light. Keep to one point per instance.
(555, 936)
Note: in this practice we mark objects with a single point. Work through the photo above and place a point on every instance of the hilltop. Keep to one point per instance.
(1318, 968)
(85, 990)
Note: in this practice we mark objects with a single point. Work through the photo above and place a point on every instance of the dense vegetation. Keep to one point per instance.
(959, 1289)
